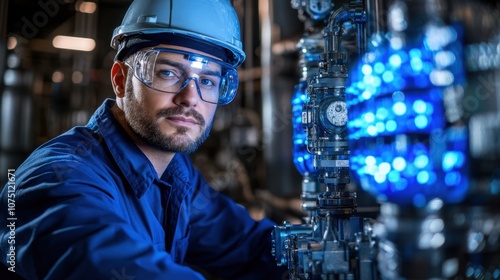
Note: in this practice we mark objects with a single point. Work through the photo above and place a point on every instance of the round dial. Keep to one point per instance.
(319, 7)
(336, 113)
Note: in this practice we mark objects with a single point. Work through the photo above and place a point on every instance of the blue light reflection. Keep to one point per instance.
(302, 160)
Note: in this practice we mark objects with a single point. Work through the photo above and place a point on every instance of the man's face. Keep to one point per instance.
(170, 122)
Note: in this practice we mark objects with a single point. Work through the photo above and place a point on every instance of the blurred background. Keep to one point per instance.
(55, 61)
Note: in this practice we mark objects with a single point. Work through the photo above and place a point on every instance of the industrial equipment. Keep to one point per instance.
(413, 118)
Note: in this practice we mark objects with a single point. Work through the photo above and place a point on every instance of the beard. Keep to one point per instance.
(148, 130)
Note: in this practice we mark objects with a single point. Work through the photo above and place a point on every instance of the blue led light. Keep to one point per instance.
(366, 69)
(415, 53)
(384, 168)
(393, 176)
(396, 43)
(395, 61)
(421, 121)
(391, 126)
(382, 113)
(421, 161)
(372, 130)
(379, 177)
(399, 108)
(388, 77)
(379, 68)
(419, 106)
(399, 163)
(452, 159)
(380, 127)
(370, 160)
(376, 81)
(416, 64)
(423, 177)
(369, 117)
(366, 94)
(370, 169)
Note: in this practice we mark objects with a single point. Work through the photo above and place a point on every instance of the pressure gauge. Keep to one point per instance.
(319, 9)
(336, 113)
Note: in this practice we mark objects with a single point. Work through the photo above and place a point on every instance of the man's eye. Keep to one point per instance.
(166, 74)
(212, 81)
(207, 82)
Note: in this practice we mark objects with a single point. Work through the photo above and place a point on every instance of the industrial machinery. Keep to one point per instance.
(413, 118)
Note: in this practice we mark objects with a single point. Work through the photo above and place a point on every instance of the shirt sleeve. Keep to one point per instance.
(226, 241)
(67, 227)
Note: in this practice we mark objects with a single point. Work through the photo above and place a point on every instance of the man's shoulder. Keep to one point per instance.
(79, 142)
(78, 147)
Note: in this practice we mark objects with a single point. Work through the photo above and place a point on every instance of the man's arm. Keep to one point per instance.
(226, 241)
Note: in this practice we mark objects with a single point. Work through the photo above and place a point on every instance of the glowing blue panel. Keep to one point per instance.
(301, 157)
(392, 126)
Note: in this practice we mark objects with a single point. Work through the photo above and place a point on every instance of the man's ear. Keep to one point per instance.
(118, 78)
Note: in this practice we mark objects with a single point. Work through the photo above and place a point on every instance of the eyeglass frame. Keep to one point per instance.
(223, 99)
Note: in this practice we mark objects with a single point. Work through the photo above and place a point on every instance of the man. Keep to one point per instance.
(119, 197)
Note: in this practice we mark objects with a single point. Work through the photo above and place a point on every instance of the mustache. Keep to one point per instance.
(176, 111)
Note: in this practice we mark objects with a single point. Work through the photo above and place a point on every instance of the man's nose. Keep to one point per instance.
(188, 95)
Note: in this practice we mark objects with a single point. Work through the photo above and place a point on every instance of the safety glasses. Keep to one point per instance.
(170, 70)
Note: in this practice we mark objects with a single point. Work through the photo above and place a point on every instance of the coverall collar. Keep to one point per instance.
(134, 165)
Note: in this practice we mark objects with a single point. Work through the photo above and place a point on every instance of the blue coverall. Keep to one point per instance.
(89, 205)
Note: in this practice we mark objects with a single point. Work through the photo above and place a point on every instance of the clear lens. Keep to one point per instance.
(170, 70)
